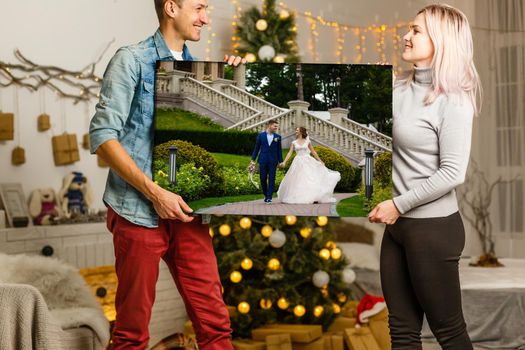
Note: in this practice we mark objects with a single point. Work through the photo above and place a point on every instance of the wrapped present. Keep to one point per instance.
(334, 341)
(18, 156)
(176, 341)
(85, 141)
(360, 338)
(65, 149)
(279, 342)
(43, 122)
(7, 126)
(378, 325)
(350, 309)
(188, 328)
(315, 345)
(341, 323)
(298, 332)
(249, 344)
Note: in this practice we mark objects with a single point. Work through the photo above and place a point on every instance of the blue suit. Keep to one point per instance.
(269, 157)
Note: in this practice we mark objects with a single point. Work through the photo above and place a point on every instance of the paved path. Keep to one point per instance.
(258, 207)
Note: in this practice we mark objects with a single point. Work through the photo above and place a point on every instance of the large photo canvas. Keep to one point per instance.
(274, 139)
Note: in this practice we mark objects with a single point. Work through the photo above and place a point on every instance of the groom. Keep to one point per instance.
(268, 147)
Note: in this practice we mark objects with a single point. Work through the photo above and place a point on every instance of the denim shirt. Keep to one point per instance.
(125, 113)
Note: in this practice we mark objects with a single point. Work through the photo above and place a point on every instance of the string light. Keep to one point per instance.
(211, 33)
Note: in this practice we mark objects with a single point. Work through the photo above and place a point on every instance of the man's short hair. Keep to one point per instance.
(159, 7)
(272, 121)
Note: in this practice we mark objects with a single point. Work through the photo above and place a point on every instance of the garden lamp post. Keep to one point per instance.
(173, 165)
(369, 173)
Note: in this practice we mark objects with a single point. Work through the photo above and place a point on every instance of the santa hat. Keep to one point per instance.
(369, 306)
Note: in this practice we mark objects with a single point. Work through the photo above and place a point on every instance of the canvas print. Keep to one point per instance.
(274, 139)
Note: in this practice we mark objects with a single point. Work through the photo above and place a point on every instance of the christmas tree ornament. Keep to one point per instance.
(348, 276)
(330, 245)
(274, 264)
(324, 292)
(318, 311)
(324, 253)
(265, 304)
(305, 232)
(278, 59)
(284, 14)
(247, 264)
(322, 220)
(336, 308)
(243, 307)
(321, 279)
(266, 231)
(299, 310)
(283, 303)
(245, 223)
(336, 253)
(290, 219)
(225, 230)
(235, 277)
(261, 25)
(266, 52)
(277, 239)
(250, 57)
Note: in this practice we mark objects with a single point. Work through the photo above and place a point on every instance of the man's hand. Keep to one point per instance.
(234, 60)
(171, 206)
(282, 165)
(385, 212)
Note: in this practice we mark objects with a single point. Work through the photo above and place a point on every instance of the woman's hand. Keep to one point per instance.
(385, 212)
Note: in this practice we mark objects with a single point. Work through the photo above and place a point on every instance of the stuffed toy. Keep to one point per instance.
(75, 195)
(43, 206)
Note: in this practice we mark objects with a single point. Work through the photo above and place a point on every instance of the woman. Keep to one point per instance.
(308, 180)
(433, 111)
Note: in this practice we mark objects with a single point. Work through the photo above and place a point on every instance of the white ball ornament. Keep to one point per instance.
(266, 52)
(348, 276)
(321, 278)
(277, 239)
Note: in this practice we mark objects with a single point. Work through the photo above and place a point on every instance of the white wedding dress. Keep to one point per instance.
(307, 180)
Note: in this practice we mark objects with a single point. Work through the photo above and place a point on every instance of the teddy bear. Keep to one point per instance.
(75, 195)
(43, 206)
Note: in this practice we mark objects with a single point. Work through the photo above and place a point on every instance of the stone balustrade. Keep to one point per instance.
(267, 108)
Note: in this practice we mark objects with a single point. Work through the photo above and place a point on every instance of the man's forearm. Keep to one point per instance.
(119, 160)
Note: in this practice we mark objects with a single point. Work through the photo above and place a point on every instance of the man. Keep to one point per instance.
(149, 223)
(268, 148)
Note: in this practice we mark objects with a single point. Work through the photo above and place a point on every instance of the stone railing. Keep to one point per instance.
(163, 83)
(286, 121)
(253, 101)
(372, 135)
(230, 107)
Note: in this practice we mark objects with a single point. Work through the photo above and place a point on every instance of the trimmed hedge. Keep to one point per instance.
(383, 169)
(233, 142)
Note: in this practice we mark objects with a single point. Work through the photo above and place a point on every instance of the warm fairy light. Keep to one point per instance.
(247, 264)
(243, 307)
(235, 277)
(299, 310)
(318, 311)
(274, 264)
(225, 230)
(211, 232)
(337, 308)
(266, 231)
(245, 223)
(322, 220)
(283, 303)
(324, 253)
(265, 304)
(305, 232)
(290, 220)
(330, 245)
(336, 253)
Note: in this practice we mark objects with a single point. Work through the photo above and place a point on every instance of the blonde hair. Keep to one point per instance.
(453, 69)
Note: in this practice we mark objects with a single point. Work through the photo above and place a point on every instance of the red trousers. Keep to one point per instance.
(188, 251)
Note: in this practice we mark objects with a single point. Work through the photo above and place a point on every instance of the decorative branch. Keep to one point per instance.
(63, 82)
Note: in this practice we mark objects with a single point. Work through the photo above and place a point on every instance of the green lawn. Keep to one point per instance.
(213, 201)
(352, 206)
(178, 119)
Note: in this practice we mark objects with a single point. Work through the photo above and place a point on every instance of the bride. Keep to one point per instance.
(308, 180)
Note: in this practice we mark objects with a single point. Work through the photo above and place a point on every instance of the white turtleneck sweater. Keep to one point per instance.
(431, 148)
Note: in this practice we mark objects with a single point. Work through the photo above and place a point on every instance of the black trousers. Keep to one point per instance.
(419, 274)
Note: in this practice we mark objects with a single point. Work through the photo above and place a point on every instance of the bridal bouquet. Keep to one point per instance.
(252, 168)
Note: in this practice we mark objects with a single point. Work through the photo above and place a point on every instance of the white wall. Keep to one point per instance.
(72, 34)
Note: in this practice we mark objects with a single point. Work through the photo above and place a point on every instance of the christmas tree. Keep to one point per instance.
(266, 36)
(280, 270)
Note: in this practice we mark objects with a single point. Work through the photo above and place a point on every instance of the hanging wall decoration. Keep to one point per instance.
(7, 127)
(18, 155)
(44, 120)
(65, 146)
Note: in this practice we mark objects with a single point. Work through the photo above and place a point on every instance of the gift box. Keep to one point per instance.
(350, 309)
(315, 345)
(249, 344)
(298, 333)
(360, 339)
(85, 141)
(65, 149)
(18, 156)
(43, 122)
(341, 323)
(333, 341)
(378, 325)
(278, 342)
(7, 126)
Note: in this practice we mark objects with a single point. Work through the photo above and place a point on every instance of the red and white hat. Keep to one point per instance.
(369, 306)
